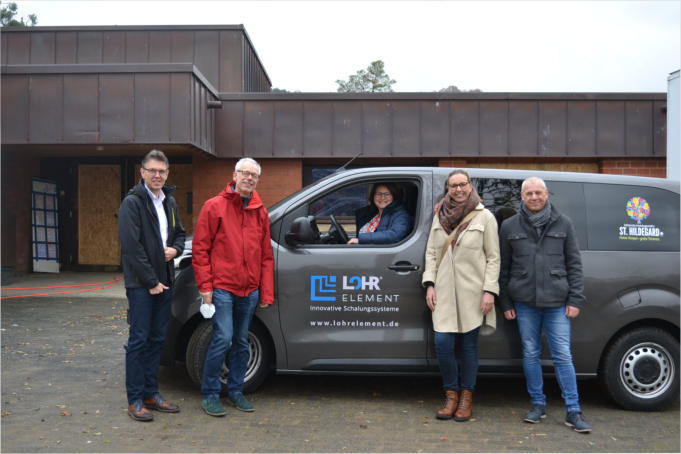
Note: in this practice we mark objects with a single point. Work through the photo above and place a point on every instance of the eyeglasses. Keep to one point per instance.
(160, 172)
(382, 195)
(459, 186)
(247, 174)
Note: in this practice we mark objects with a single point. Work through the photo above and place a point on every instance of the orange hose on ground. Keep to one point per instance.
(5, 289)
(60, 286)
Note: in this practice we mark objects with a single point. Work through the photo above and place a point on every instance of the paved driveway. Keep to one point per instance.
(63, 390)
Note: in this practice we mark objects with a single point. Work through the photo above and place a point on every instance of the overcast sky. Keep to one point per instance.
(509, 46)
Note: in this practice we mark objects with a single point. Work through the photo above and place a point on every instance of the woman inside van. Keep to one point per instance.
(461, 279)
(385, 220)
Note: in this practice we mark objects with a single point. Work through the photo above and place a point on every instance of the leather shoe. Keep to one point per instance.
(139, 412)
(451, 403)
(158, 403)
(465, 409)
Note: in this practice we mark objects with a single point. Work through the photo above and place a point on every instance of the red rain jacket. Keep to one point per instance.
(231, 249)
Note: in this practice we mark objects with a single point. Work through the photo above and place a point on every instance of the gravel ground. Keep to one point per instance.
(63, 390)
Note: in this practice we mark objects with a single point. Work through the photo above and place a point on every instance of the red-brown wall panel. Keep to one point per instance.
(81, 108)
(43, 48)
(552, 133)
(14, 109)
(152, 108)
(116, 108)
(46, 104)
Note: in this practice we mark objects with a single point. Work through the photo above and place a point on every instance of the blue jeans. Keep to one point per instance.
(556, 326)
(233, 315)
(149, 316)
(445, 347)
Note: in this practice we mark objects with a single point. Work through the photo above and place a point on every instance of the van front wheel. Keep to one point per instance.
(259, 362)
(640, 369)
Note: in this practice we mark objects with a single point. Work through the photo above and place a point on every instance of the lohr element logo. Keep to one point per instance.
(360, 283)
(323, 288)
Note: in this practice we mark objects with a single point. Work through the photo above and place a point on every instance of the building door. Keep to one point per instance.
(99, 197)
(44, 221)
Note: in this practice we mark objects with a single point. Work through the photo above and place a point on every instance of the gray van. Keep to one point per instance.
(360, 309)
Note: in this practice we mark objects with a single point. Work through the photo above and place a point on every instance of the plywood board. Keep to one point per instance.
(99, 197)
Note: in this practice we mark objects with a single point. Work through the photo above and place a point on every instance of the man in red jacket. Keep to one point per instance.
(234, 269)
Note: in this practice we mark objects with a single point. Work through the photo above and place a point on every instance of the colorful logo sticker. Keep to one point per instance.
(638, 209)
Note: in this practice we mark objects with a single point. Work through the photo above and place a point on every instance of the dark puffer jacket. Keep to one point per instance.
(540, 270)
(142, 254)
(394, 226)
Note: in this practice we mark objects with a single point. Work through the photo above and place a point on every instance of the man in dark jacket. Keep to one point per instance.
(234, 269)
(151, 236)
(542, 288)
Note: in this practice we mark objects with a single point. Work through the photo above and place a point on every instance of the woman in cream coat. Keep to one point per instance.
(461, 283)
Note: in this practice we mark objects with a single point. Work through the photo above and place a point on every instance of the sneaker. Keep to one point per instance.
(535, 415)
(575, 420)
(240, 402)
(213, 407)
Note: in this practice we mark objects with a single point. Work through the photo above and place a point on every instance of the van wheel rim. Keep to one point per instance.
(254, 360)
(647, 370)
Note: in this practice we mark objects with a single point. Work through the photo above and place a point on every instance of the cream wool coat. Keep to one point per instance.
(463, 276)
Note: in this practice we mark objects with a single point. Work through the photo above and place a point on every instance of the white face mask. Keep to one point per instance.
(207, 310)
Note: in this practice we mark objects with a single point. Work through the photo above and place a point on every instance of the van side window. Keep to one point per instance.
(346, 203)
(631, 218)
(502, 197)
(499, 195)
(568, 198)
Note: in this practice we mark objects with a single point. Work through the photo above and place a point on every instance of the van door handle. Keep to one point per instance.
(403, 267)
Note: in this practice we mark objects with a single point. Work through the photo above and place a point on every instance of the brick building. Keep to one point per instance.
(81, 105)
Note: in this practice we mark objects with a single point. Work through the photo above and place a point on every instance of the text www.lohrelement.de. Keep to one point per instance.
(355, 323)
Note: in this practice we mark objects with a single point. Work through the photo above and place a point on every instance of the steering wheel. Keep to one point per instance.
(339, 228)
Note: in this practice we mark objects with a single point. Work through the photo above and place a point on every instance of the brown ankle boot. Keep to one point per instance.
(451, 403)
(465, 408)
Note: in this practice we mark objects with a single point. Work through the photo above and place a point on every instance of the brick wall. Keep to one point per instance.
(562, 165)
(453, 163)
(280, 178)
(652, 167)
(210, 176)
(17, 172)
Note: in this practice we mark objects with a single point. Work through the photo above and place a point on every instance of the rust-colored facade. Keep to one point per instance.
(439, 125)
(81, 105)
(223, 54)
(72, 105)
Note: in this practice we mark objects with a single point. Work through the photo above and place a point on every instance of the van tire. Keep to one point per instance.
(259, 363)
(640, 369)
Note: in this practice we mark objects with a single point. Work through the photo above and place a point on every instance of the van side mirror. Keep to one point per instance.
(303, 231)
(185, 263)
